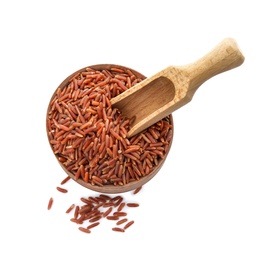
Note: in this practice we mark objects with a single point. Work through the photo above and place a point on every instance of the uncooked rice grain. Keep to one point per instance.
(130, 223)
(62, 190)
(119, 222)
(112, 217)
(65, 180)
(132, 205)
(120, 214)
(70, 208)
(85, 230)
(107, 212)
(94, 209)
(118, 229)
(88, 135)
(121, 206)
(137, 190)
(95, 219)
(50, 203)
(93, 225)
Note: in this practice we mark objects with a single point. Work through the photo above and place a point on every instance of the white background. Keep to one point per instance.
(205, 201)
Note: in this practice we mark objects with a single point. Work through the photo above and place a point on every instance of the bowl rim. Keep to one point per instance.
(108, 188)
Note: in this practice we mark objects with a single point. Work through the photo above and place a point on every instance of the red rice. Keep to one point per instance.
(50, 203)
(118, 229)
(70, 208)
(137, 190)
(91, 211)
(112, 217)
(86, 133)
(132, 205)
(95, 219)
(121, 221)
(120, 214)
(62, 190)
(88, 137)
(130, 223)
(65, 180)
(107, 212)
(85, 230)
(76, 212)
(93, 225)
(121, 206)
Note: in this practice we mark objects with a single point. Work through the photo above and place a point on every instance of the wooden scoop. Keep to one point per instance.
(158, 96)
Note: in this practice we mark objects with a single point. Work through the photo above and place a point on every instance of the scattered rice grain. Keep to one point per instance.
(62, 190)
(50, 203)
(130, 223)
(117, 229)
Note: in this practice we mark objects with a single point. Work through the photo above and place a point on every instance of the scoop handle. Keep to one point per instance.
(225, 56)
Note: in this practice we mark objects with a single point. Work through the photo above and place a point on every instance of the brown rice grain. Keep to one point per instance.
(85, 209)
(70, 208)
(118, 202)
(93, 225)
(130, 223)
(78, 173)
(121, 221)
(107, 212)
(112, 217)
(76, 212)
(97, 180)
(117, 70)
(76, 221)
(62, 190)
(95, 219)
(117, 229)
(116, 198)
(50, 203)
(120, 214)
(85, 230)
(104, 196)
(121, 206)
(93, 200)
(108, 204)
(86, 201)
(132, 205)
(137, 190)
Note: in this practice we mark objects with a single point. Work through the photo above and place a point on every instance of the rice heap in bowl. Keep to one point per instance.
(89, 137)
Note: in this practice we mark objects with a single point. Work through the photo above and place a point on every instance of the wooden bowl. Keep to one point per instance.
(109, 188)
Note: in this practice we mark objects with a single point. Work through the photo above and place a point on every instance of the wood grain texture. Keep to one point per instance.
(158, 96)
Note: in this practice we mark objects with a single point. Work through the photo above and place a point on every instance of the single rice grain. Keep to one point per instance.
(137, 190)
(117, 229)
(50, 203)
(121, 221)
(85, 230)
(93, 225)
(132, 205)
(62, 190)
(70, 208)
(65, 180)
(130, 223)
